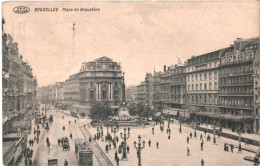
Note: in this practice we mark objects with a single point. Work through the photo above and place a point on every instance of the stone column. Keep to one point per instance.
(97, 89)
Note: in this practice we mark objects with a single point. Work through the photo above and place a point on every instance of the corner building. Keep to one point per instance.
(100, 80)
(237, 95)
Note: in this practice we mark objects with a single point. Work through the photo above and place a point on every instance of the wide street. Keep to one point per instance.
(171, 151)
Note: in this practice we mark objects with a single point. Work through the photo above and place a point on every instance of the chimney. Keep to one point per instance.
(164, 69)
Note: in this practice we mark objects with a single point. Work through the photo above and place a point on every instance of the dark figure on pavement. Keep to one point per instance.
(69, 122)
(107, 148)
(188, 139)
(116, 155)
(202, 162)
(153, 131)
(30, 161)
(59, 142)
(157, 144)
(47, 139)
(25, 161)
(84, 125)
(70, 135)
(232, 147)
(149, 143)
(117, 161)
(117, 139)
(109, 145)
(63, 128)
(127, 149)
(190, 135)
(188, 151)
(66, 163)
(75, 120)
(169, 136)
(205, 132)
(200, 136)
(89, 139)
(128, 129)
(195, 134)
(256, 160)
(201, 146)
(225, 146)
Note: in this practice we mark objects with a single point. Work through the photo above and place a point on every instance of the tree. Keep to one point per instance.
(132, 109)
(144, 110)
(100, 110)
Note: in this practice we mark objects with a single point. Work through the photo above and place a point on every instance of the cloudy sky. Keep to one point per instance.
(140, 35)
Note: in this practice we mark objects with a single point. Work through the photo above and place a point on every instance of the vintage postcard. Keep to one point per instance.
(126, 83)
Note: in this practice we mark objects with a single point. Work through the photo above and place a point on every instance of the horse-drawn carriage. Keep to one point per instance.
(51, 119)
(47, 125)
(52, 162)
(66, 144)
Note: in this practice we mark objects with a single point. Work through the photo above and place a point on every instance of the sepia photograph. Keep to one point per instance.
(130, 83)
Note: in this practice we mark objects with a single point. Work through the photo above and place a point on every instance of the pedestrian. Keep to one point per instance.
(169, 136)
(225, 146)
(117, 139)
(84, 125)
(25, 161)
(202, 162)
(201, 146)
(115, 155)
(109, 145)
(117, 161)
(66, 163)
(190, 135)
(30, 161)
(128, 149)
(188, 139)
(157, 144)
(232, 147)
(70, 135)
(59, 142)
(200, 136)
(188, 151)
(75, 120)
(31, 152)
(149, 143)
(107, 148)
(153, 131)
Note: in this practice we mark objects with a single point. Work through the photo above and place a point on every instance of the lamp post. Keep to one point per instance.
(239, 134)
(214, 131)
(139, 148)
(180, 121)
(115, 130)
(125, 137)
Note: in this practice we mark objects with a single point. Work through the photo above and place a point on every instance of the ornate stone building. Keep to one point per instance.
(237, 95)
(100, 80)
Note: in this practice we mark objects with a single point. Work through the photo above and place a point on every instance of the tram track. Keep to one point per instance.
(98, 152)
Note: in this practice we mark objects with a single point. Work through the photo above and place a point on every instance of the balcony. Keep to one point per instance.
(235, 106)
(244, 83)
(235, 62)
(236, 94)
(238, 73)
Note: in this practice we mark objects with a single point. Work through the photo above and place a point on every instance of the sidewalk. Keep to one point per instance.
(35, 145)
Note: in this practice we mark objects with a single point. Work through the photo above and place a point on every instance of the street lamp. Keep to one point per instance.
(124, 157)
(214, 131)
(115, 130)
(139, 148)
(180, 121)
(240, 133)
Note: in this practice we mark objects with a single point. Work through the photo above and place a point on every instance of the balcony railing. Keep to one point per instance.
(236, 62)
(236, 106)
(236, 73)
(235, 93)
(235, 83)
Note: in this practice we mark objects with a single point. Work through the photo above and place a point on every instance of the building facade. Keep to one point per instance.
(18, 88)
(101, 80)
(236, 82)
(131, 94)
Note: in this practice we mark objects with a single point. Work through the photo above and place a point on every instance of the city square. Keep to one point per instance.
(160, 84)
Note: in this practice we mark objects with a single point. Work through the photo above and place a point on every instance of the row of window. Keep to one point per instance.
(203, 77)
(202, 99)
(202, 67)
(195, 87)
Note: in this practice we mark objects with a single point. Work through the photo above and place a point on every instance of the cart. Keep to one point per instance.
(52, 162)
(51, 119)
(66, 146)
